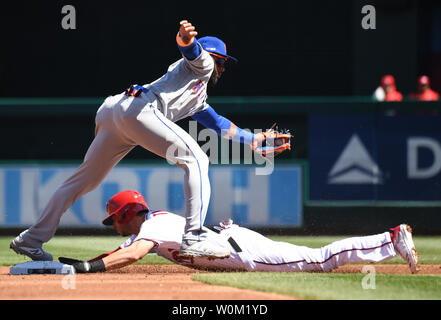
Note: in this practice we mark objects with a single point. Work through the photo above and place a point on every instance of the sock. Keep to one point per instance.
(394, 232)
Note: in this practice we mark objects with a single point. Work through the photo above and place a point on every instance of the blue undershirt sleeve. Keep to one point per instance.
(221, 125)
(192, 51)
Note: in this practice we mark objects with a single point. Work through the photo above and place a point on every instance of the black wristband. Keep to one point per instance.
(81, 266)
(97, 266)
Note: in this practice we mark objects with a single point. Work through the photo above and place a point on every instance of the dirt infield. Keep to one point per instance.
(168, 282)
(390, 269)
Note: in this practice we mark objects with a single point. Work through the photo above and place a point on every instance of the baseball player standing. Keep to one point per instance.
(146, 116)
(158, 232)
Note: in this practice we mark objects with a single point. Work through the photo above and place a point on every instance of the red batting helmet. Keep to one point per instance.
(123, 207)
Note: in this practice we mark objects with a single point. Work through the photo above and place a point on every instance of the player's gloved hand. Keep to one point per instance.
(84, 266)
(271, 142)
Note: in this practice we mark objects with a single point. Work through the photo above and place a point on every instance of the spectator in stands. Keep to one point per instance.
(424, 92)
(387, 90)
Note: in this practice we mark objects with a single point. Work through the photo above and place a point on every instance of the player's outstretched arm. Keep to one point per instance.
(137, 250)
(186, 40)
(275, 142)
(117, 259)
(186, 33)
(222, 126)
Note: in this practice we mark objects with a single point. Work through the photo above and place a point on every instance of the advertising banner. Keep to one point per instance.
(237, 192)
(375, 157)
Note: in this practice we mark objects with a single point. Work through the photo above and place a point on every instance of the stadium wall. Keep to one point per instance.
(363, 165)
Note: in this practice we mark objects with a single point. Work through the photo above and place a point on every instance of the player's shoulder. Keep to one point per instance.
(175, 66)
(202, 64)
(159, 213)
(434, 93)
(157, 220)
(162, 214)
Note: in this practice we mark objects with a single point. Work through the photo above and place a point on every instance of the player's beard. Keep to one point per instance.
(215, 75)
(124, 233)
(123, 230)
(214, 78)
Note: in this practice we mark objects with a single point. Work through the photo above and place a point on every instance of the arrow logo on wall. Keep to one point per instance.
(355, 165)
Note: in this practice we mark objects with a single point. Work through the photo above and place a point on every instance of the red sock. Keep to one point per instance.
(394, 232)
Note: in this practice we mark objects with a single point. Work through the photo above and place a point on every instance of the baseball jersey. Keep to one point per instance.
(252, 251)
(165, 229)
(182, 91)
(428, 95)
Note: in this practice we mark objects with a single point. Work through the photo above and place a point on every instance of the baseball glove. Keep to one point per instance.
(272, 142)
(69, 261)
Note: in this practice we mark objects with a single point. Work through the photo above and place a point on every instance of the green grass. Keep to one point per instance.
(323, 286)
(334, 286)
(429, 247)
(331, 286)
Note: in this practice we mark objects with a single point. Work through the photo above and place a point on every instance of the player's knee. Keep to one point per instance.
(198, 162)
(201, 159)
(204, 161)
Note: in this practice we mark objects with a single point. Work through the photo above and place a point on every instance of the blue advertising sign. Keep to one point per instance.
(374, 157)
(237, 192)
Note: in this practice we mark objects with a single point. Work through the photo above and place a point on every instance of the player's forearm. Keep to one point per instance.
(114, 260)
(104, 255)
(128, 255)
(117, 261)
(191, 50)
(239, 135)
(186, 40)
(100, 265)
(222, 126)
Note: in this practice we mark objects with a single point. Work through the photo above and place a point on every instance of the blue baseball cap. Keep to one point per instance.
(215, 46)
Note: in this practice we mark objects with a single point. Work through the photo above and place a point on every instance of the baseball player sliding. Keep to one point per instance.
(145, 116)
(160, 232)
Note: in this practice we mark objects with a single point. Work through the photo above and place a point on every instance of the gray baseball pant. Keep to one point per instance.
(121, 124)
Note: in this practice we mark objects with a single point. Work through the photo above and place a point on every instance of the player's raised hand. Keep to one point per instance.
(187, 32)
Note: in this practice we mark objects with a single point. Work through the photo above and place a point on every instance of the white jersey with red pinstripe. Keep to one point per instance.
(252, 251)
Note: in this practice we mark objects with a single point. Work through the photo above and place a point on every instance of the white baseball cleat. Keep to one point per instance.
(35, 253)
(403, 243)
(202, 249)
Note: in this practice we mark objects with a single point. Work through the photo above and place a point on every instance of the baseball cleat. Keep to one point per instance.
(403, 243)
(202, 249)
(36, 254)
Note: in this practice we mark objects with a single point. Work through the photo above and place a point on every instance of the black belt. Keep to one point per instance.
(231, 241)
(234, 244)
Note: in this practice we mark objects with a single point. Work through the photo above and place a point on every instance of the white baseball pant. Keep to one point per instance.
(258, 253)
